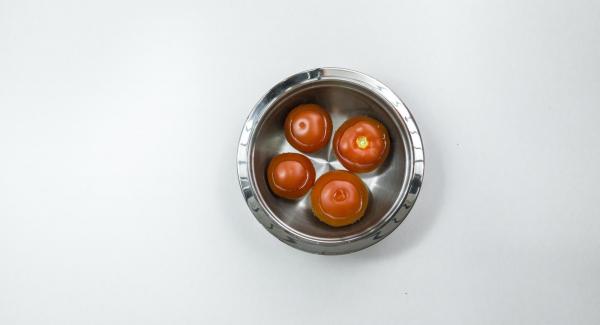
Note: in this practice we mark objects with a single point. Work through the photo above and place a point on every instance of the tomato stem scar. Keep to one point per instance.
(362, 142)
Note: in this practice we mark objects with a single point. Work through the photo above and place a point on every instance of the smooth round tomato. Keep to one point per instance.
(339, 198)
(308, 127)
(290, 175)
(361, 144)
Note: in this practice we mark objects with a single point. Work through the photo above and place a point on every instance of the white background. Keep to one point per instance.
(119, 201)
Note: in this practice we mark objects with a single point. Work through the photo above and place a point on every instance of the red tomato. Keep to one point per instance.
(339, 198)
(308, 127)
(361, 144)
(290, 175)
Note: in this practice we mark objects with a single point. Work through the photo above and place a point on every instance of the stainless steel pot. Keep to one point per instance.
(344, 93)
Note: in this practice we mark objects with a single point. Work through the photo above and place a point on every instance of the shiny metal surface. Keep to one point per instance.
(394, 186)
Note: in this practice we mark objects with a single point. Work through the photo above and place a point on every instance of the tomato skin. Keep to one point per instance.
(290, 175)
(308, 127)
(361, 144)
(339, 198)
